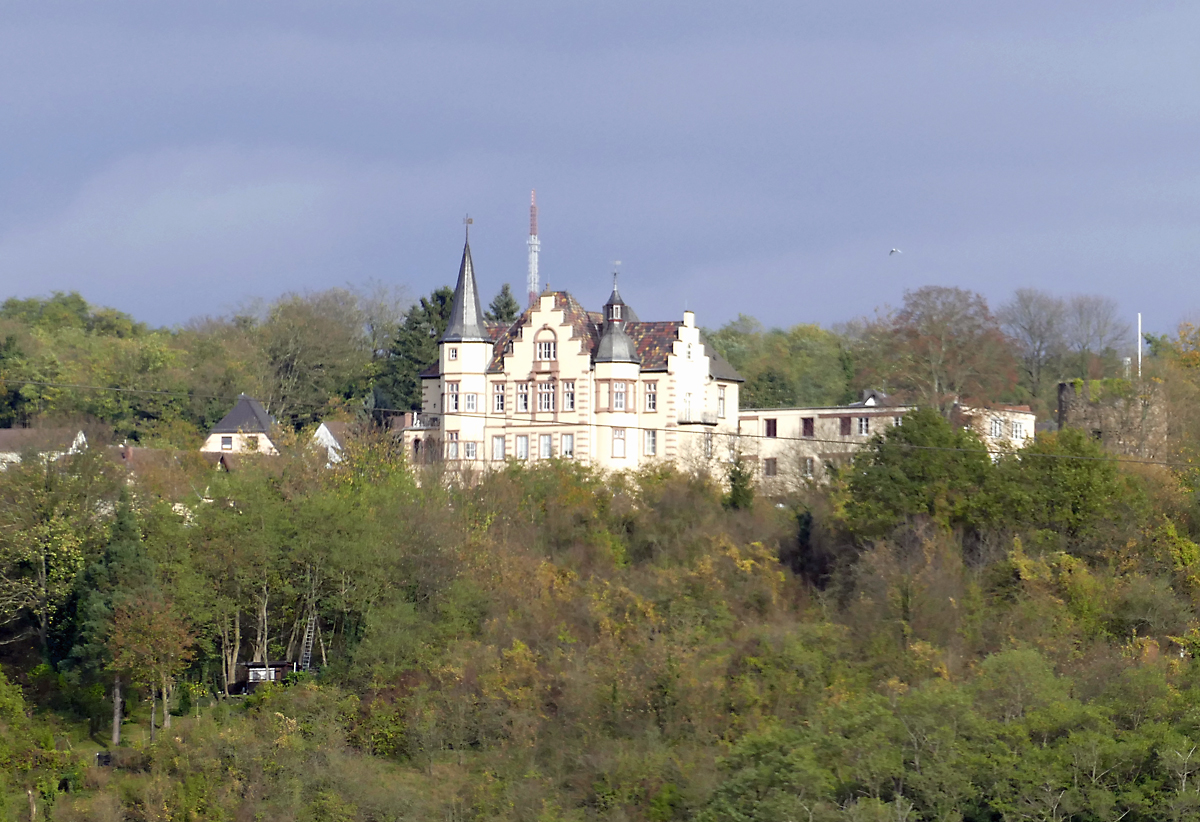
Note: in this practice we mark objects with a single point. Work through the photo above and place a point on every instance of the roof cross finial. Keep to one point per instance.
(616, 271)
(467, 221)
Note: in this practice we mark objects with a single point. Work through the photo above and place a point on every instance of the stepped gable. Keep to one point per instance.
(584, 326)
(247, 417)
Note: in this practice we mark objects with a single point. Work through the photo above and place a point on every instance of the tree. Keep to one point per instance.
(1093, 329)
(153, 644)
(414, 348)
(504, 308)
(943, 346)
(1037, 322)
(922, 467)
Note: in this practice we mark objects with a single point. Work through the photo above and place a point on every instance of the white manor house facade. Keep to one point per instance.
(561, 382)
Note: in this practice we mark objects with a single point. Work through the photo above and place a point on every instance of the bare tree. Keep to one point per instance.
(1093, 328)
(1036, 321)
(943, 345)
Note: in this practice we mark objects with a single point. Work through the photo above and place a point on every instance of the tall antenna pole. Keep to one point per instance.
(1139, 345)
(535, 248)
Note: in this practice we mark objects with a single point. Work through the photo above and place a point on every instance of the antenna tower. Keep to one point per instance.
(535, 248)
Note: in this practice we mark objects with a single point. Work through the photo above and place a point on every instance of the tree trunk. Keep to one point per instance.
(166, 701)
(153, 709)
(260, 640)
(116, 700)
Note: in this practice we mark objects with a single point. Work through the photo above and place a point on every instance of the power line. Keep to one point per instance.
(532, 423)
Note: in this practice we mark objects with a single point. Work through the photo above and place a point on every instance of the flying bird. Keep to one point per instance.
(895, 251)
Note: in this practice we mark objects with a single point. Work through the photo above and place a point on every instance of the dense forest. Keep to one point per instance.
(938, 633)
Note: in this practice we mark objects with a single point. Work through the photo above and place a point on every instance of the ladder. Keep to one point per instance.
(310, 635)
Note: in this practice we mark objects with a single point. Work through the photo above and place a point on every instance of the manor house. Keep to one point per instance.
(563, 382)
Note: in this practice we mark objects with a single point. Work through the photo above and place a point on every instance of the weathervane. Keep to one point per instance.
(467, 221)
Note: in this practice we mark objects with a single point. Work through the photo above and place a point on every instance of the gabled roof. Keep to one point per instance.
(247, 417)
(16, 440)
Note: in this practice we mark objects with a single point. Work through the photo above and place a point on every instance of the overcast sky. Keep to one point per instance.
(174, 159)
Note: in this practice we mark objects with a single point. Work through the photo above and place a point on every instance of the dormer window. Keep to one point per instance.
(614, 312)
(546, 350)
(454, 353)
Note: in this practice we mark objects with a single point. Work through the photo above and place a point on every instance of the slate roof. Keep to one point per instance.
(247, 417)
(466, 316)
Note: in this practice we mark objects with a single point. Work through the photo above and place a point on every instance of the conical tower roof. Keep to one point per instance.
(616, 345)
(466, 317)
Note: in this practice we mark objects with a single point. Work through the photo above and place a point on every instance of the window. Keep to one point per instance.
(469, 450)
(498, 398)
(497, 448)
(544, 446)
(708, 445)
(522, 446)
(226, 443)
(721, 401)
(618, 396)
(452, 445)
(545, 350)
(454, 353)
(808, 427)
(772, 428)
(809, 466)
(897, 420)
(469, 404)
(618, 443)
(770, 467)
(864, 426)
(566, 446)
(651, 443)
(689, 351)
(845, 431)
(1018, 431)
(652, 396)
(568, 389)
(687, 407)
(614, 312)
(997, 428)
(451, 396)
(522, 396)
(545, 396)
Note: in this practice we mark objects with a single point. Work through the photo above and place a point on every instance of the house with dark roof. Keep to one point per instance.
(562, 382)
(48, 443)
(246, 429)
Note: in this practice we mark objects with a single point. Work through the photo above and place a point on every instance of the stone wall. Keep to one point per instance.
(1126, 418)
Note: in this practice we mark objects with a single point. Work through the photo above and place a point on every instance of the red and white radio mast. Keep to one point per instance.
(535, 247)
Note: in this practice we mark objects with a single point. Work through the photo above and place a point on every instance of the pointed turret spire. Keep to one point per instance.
(466, 317)
(615, 344)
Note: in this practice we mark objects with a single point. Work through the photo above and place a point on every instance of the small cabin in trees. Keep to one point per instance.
(246, 429)
(47, 443)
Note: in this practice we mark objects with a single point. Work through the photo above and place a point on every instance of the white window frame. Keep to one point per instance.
(547, 351)
(545, 396)
(498, 448)
(451, 396)
(618, 443)
(810, 465)
(453, 353)
(997, 428)
(545, 446)
(452, 445)
(568, 395)
(469, 403)
(469, 450)
(864, 426)
(1018, 430)
(498, 397)
(651, 438)
(897, 420)
(566, 446)
(652, 396)
(522, 450)
(523, 397)
(618, 395)
(227, 442)
(721, 401)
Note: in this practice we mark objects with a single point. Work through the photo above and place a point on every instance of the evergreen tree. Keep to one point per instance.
(122, 574)
(414, 348)
(504, 308)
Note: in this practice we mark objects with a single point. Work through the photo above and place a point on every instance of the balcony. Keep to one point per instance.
(424, 422)
(694, 418)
